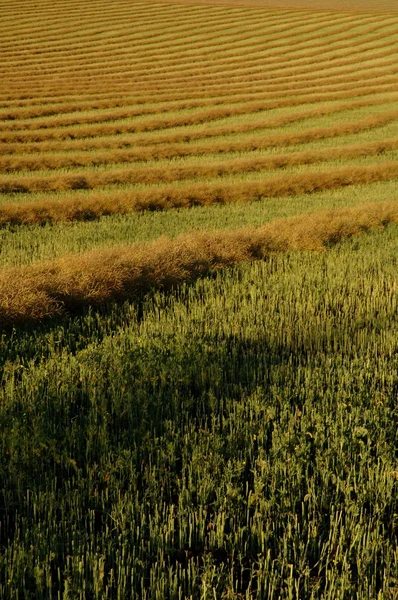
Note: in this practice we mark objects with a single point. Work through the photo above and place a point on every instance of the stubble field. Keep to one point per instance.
(198, 300)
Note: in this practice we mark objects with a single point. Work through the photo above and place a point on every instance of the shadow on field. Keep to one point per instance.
(168, 429)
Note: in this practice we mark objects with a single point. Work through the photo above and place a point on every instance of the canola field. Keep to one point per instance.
(198, 300)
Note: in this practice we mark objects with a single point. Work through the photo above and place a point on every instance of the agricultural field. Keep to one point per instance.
(199, 300)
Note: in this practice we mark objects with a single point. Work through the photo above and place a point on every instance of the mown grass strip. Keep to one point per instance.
(46, 289)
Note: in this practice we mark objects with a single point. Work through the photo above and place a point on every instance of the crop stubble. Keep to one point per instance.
(239, 441)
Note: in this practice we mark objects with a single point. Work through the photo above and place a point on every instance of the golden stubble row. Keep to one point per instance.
(331, 58)
(61, 91)
(17, 120)
(195, 33)
(152, 174)
(185, 87)
(39, 160)
(34, 292)
(117, 54)
(302, 54)
(95, 204)
(167, 24)
(50, 106)
(276, 76)
(201, 117)
(280, 53)
(135, 152)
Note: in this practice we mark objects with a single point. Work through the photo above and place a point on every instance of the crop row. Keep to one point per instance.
(169, 172)
(42, 290)
(281, 48)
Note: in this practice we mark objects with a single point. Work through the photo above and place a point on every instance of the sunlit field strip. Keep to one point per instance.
(169, 26)
(302, 59)
(122, 50)
(65, 183)
(45, 18)
(166, 33)
(207, 86)
(262, 178)
(142, 115)
(204, 49)
(143, 23)
(169, 12)
(165, 197)
(346, 74)
(43, 161)
(308, 5)
(235, 57)
(198, 89)
(230, 144)
(251, 92)
(254, 56)
(118, 103)
(150, 125)
(231, 122)
(230, 54)
(187, 175)
(110, 101)
(329, 54)
(116, 174)
(196, 35)
(52, 160)
(29, 244)
(149, 14)
(201, 52)
(157, 83)
(231, 47)
(228, 50)
(42, 290)
(338, 68)
(342, 68)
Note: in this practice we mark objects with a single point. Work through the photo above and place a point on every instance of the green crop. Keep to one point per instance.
(235, 439)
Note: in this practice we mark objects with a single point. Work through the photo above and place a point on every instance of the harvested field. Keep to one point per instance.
(198, 299)
(44, 290)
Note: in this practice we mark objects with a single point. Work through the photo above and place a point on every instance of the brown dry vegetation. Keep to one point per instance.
(175, 150)
(146, 68)
(46, 289)
(82, 208)
(170, 172)
(83, 88)
(347, 5)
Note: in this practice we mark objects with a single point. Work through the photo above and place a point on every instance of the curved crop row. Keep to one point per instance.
(165, 197)
(167, 173)
(110, 63)
(42, 290)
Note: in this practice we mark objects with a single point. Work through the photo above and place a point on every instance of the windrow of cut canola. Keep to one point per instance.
(127, 106)
(47, 289)
(236, 438)
(198, 300)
